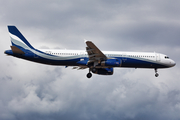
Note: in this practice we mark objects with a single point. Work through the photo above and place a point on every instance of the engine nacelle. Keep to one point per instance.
(111, 62)
(103, 71)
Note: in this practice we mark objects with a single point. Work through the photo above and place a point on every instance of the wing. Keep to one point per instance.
(94, 53)
(80, 67)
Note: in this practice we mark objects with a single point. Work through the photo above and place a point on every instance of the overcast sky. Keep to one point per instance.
(34, 91)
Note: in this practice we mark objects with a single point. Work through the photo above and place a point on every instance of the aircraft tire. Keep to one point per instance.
(94, 70)
(156, 75)
(89, 75)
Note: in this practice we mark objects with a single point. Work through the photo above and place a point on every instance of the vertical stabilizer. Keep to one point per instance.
(17, 39)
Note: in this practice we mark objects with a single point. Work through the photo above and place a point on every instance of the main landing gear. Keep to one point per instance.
(156, 74)
(89, 75)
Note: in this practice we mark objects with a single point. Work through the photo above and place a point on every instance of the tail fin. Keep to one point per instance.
(17, 39)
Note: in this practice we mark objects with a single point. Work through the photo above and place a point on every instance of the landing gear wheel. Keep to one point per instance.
(93, 70)
(89, 75)
(156, 74)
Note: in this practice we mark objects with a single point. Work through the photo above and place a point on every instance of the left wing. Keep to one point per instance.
(80, 67)
(95, 55)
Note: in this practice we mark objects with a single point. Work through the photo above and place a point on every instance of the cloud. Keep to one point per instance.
(34, 91)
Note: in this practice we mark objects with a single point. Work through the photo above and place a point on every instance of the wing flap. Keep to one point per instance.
(80, 67)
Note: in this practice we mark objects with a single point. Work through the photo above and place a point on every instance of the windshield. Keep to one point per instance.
(166, 57)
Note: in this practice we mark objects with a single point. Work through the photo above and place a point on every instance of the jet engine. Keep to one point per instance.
(103, 71)
(111, 62)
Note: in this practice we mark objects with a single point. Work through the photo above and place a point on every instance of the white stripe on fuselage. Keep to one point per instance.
(136, 55)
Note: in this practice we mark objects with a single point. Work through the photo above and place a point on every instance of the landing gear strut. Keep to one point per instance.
(89, 75)
(156, 74)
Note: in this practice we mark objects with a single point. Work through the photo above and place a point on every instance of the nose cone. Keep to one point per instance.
(171, 63)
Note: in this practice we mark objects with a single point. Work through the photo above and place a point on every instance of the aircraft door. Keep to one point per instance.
(82, 54)
(158, 57)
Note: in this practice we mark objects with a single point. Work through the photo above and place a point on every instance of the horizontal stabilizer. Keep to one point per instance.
(16, 50)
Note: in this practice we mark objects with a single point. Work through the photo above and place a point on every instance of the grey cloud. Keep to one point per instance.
(128, 22)
(116, 100)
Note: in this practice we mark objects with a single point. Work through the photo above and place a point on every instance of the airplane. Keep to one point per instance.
(97, 61)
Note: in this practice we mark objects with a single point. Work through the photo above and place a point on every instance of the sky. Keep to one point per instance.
(35, 91)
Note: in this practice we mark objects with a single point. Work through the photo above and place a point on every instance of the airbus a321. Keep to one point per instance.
(97, 61)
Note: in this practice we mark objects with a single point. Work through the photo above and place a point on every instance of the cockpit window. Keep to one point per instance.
(166, 57)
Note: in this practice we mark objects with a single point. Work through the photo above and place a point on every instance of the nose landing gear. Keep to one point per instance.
(156, 74)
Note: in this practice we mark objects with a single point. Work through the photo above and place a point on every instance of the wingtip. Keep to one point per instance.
(85, 41)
